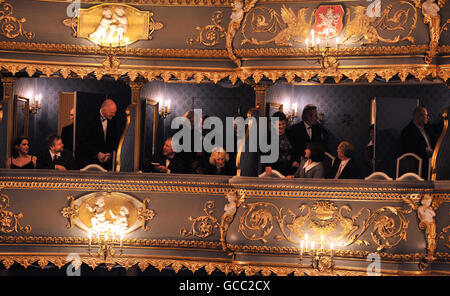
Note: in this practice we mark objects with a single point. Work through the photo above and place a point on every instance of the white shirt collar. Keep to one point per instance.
(307, 166)
(53, 154)
(307, 125)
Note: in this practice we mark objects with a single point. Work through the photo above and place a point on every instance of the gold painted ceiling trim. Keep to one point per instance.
(355, 74)
(143, 262)
(218, 53)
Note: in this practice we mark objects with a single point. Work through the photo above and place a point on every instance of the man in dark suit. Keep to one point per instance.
(308, 130)
(67, 132)
(98, 137)
(55, 157)
(170, 163)
(417, 137)
(346, 167)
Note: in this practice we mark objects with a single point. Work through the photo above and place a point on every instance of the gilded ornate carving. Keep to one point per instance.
(432, 18)
(202, 226)
(10, 26)
(267, 20)
(363, 28)
(70, 212)
(235, 200)
(240, 8)
(108, 212)
(210, 35)
(193, 3)
(323, 218)
(9, 222)
(426, 213)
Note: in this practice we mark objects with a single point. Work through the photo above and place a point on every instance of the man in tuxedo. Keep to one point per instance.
(346, 167)
(55, 156)
(171, 163)
(308, 130)
(417, 137)
(67, 132)
(98, 137)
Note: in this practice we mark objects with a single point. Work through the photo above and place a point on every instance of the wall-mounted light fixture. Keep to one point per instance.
(164, 110)
(291, 111)
(35, 105)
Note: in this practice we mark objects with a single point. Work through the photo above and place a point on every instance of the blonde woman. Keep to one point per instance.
(219, 163)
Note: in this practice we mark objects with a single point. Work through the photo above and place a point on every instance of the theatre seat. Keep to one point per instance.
(378, 176)
(93, 167)
(410, 177)
(408, 163)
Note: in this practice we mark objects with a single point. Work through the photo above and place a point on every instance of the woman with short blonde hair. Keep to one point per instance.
(219, 161)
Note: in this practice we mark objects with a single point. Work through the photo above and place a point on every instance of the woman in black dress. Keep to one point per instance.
(20, 159)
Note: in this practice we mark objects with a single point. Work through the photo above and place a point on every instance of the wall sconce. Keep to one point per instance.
(35, 105)
(325, 60)
(164, 111)
(291, 112)
(106, 241)
(321, 259)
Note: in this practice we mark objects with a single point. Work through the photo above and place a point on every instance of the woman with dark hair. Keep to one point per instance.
(20, 159)
(311, 166)
(285, 159)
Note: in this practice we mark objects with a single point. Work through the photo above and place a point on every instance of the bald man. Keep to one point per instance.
(417, 137)
(98, 139)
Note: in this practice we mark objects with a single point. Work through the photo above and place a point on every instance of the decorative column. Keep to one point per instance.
(136, 88)
(260, 97)
(8, 99)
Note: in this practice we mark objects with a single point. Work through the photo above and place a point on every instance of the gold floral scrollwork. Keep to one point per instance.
(153, 26)
(70, 212)
(10, 26)
(324, 218)
(363, 28)
(267, 21)
(145, 214)
(209, 35)
(203, 226)
(9, 222)
(235, 200)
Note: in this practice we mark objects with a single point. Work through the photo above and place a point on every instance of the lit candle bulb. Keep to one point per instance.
(312, 37)
(306, 241)
(326, 36)
(322, 239)
(306, 43)
(312, 246)
(126, 45)
(168, 106)
(294, 107)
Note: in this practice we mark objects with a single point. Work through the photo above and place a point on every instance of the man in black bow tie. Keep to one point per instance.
(171, 163)
(308, 130)
(55, 157)
(98, 138)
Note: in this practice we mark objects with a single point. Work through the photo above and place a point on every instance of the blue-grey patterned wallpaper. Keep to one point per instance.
(214, 100)
(46, 122)
(336, 100)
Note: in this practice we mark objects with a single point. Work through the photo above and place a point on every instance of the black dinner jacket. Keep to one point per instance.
(177, 165)
(44, 160)
(350, 171)
(67, 137)
(299, 138)
(413, 141)
(92, 140)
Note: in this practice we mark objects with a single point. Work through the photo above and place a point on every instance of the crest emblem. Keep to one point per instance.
(329, 18)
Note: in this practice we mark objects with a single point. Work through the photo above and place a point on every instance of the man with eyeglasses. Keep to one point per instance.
(417, 137)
